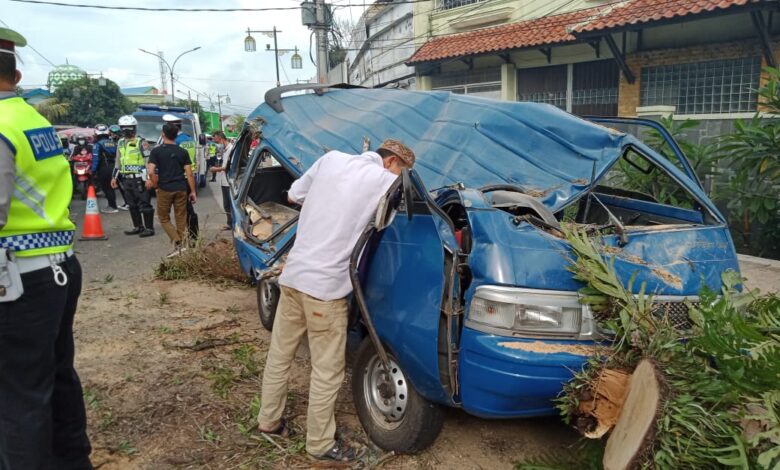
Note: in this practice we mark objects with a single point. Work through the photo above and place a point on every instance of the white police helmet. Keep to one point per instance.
(171, 118)
(127, 121)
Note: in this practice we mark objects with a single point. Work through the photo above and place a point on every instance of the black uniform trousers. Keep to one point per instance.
(42, 418)
(105, 168)
(139, 201)
(193, 228)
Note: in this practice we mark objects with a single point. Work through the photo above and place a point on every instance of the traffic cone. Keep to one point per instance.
(93, 229)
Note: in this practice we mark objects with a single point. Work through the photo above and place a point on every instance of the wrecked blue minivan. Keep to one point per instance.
(462, 296)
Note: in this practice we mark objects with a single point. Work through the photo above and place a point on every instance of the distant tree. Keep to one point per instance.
(52, 109)
(88, 103)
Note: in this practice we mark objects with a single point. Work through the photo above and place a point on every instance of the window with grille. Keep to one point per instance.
(447, 4)
(543, 85)
(480, 82)
(595, 88)
(711, 87)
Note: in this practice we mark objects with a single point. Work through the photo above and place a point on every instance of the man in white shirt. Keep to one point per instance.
(340, 194)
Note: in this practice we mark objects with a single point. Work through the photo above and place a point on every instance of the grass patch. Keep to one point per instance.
(212, 261)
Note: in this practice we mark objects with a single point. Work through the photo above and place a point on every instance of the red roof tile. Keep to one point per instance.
(633, 12)
(536, 32)
(561, 29)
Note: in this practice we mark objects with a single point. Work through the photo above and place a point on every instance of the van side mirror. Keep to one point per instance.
(202, 139)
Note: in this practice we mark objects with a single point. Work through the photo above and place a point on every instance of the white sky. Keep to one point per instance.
(108, 41)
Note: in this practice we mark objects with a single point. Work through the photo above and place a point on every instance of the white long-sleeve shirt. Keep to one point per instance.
(340, 194)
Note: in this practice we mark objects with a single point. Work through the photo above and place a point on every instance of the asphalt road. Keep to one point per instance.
(127, 257)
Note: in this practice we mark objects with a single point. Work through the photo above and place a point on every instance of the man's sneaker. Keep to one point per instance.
(134, 231)
(124, 207)
(177, 251)
(109, 210)
(340, 452)
(147, 232)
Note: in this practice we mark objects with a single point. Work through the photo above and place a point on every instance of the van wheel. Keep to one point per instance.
(393, 414)
(267, 300)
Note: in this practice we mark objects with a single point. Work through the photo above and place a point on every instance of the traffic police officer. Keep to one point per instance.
(186, 142)
(131, 165)
(42, 416)
(103, 163)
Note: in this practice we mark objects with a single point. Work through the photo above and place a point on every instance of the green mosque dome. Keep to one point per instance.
(64, 73)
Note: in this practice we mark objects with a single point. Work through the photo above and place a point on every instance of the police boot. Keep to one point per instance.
(149, 223)
(135, 214)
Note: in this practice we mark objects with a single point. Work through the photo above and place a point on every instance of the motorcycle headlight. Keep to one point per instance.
(527, 312)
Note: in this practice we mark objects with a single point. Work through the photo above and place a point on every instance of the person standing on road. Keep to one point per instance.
(170, 171)
(185, 141)
(103, 163)
(115, 132)
(315, 284)
(42, 418)
(130, 165)
(223, 156)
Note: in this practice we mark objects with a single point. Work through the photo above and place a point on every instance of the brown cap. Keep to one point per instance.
(397, 148)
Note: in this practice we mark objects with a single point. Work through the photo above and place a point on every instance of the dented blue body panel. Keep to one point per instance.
(465, 143)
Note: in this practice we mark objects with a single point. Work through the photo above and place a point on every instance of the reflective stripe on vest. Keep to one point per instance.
(131, 157)
(38, 216)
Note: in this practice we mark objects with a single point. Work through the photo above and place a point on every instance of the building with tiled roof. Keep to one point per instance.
(694, 58)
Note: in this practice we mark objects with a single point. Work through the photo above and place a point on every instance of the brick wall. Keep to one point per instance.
(629, 93)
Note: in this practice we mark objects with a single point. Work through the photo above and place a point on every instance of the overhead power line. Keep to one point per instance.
(32, 48)
(189, 10)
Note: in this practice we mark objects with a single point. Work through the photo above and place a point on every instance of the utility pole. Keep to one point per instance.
(321, 33)
(162, 73)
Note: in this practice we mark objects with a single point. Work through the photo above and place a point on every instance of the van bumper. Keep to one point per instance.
(503, 377)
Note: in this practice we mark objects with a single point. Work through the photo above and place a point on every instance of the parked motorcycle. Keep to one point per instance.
(81, 165)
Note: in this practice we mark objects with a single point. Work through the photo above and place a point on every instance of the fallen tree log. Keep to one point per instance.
(634, 431)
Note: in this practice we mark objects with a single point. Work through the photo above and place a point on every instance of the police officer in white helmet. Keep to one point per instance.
(131, 155)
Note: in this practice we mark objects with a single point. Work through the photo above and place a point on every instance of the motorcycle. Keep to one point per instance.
(82, 172)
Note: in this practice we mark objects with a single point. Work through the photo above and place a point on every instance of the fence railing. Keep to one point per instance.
(449, 4)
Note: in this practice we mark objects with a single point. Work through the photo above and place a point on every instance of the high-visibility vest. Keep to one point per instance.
(131, 156)
(212, 150)
(188, 144)
(38, 217)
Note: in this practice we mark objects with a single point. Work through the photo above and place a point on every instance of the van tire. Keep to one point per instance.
(420, 423)
(267, 301)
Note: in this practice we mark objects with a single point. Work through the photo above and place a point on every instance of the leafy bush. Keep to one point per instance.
(752, 152)
(721, 405)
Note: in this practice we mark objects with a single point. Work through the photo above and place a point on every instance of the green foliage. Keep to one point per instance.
(88, 103)
(721, 378)
(52, 109)
(752, 153)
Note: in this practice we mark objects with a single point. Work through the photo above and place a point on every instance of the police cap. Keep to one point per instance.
(9, 40)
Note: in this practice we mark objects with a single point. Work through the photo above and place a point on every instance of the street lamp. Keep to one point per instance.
(251, 46)
(171, 67)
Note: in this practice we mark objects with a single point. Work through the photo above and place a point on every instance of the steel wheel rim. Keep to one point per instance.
(386, 393)
(266, 296)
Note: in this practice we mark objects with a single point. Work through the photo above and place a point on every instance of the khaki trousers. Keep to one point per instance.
(177, 199)
(325, 324)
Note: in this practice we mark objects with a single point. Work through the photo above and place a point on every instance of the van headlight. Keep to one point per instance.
(529, 312)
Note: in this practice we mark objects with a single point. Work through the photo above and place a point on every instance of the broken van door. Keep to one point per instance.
(416, 252)
(265, 219)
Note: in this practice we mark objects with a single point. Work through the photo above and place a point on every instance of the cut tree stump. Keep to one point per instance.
(636, 424)
(604, 401)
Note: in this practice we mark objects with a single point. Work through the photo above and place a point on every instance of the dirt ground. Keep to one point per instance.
(171, 374)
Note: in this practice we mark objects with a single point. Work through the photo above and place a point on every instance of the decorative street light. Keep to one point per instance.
(251, 46)
(171, 67)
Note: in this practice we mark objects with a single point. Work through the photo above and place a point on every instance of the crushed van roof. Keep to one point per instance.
(457, 139)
